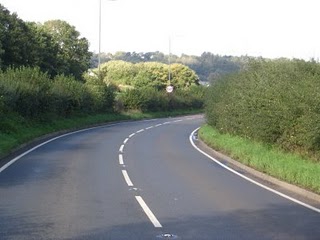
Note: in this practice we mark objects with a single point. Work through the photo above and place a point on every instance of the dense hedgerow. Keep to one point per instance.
(25, 91)
(276, 102)
(151, 99)
(32, 94)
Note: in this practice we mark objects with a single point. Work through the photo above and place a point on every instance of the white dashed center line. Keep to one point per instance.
(121, 159)
(121, 148)
(126, 178)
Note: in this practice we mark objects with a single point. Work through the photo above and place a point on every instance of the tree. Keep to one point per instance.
(73, 56)
(44, 50)
(183, 76)
(118, 71)
(14, 38)
(153, 74)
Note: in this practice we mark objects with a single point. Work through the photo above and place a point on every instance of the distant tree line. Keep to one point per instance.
(55, 46)
(148, 74)
(208, 66)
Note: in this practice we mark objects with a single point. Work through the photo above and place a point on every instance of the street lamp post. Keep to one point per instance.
(99, 55)
(169, 60)
(169, 88)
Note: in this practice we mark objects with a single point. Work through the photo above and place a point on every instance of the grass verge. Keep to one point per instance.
(288, 167)
(17, 130)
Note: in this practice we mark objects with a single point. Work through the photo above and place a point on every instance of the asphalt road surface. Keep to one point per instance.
(139, 180)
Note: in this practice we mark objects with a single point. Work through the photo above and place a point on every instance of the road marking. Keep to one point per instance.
(148, 212)
(126, 178)
(139, 131)
(131, 135)
(149, 127)
(249, 179)
(121, 148)
(180, 120)
(166, 123)
(125, 141)
(158, 125)
(121, 159)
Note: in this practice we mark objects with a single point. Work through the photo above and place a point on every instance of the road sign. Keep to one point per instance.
(169, 89)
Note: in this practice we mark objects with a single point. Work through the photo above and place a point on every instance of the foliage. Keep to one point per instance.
(275, 102)
(150, 99)
(208, 66)
(183, 76)
(14, 38)
(103, 95)
(73, 57)
(151, 74)
(144, 99)
(25, 91)
(55, 47)
(31, 94)
(285, 166)
(119, 72)
(44, 50)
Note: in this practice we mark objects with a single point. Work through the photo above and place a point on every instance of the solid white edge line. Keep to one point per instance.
(148, 212)
(8, 164)
(121, 159)
(249, 179)
(121, 148)
(126, 178)
(125, 141)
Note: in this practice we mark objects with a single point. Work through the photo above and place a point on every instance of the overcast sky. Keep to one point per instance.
(268, 28)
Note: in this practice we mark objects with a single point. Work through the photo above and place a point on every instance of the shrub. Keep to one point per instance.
(151, 99)
(144, 99)
(275, 102)
(102, 95)
(25, 91)
(70, 96)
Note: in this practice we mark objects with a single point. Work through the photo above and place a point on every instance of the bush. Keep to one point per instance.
(25, 91)
(103, 96)
(70, 96)
(144, 99)
(151, 99)
(275, 102)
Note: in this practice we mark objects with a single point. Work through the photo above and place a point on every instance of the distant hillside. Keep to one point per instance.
(208, 66)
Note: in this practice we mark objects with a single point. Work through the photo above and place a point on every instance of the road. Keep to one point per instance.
(139, 180)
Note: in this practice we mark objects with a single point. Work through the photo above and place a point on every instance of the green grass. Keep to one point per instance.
(288, 167)
(16, 130)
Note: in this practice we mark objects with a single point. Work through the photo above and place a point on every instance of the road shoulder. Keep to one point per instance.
(281, 186)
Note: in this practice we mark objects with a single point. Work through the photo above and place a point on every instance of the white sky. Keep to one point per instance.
(268, 28)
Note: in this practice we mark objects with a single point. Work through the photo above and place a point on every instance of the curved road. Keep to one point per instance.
(139, 180)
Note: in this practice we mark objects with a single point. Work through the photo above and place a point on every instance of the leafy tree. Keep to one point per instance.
(120, 72)
(73, 57)
(44, 50)
(14, 38)
(151, 74)
(208, 66)
(183, 76)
